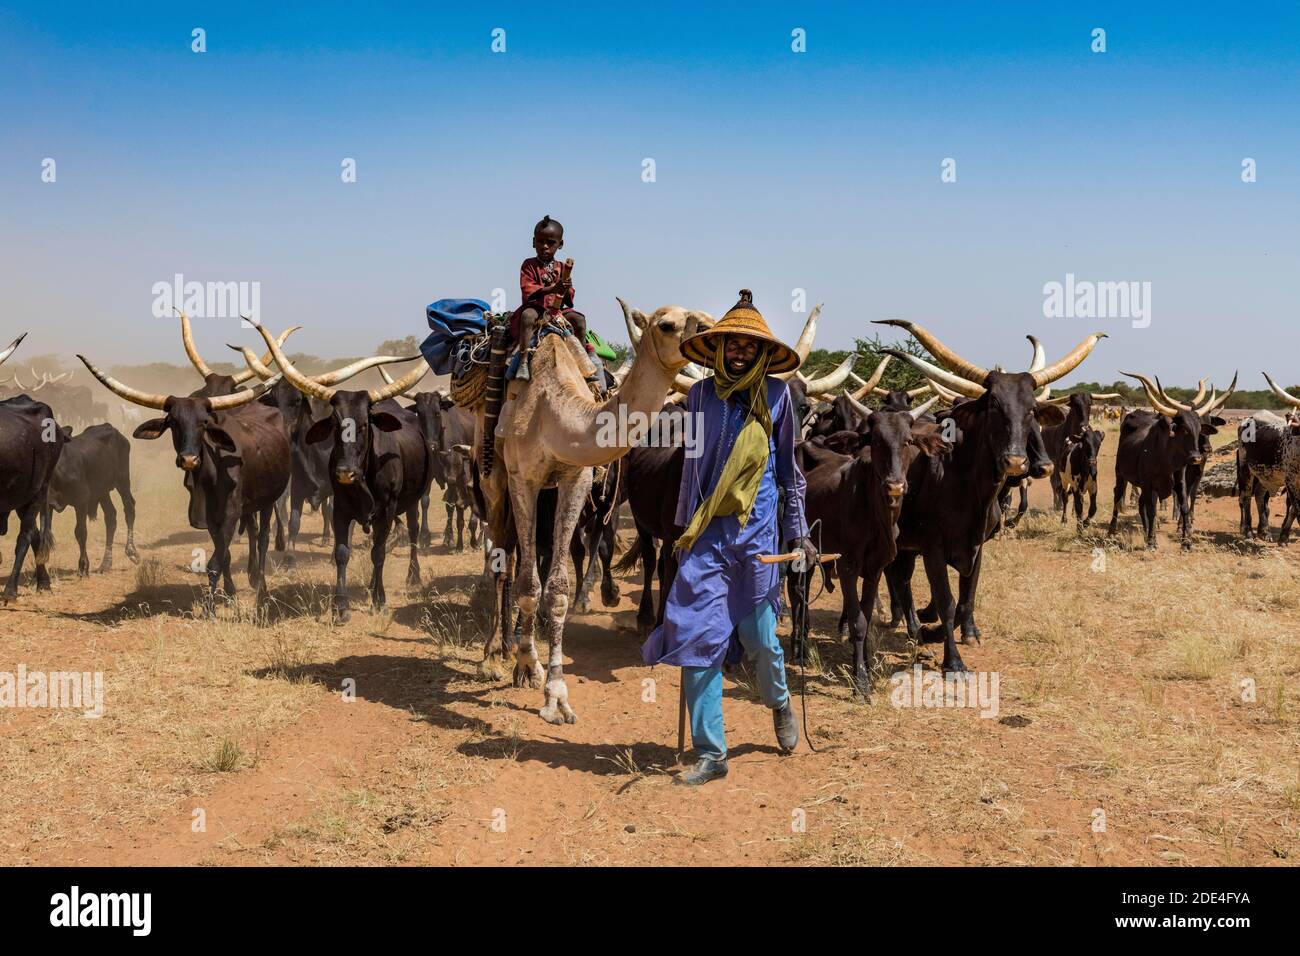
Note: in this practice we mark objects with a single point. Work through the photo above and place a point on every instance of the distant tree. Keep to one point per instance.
(407, 346)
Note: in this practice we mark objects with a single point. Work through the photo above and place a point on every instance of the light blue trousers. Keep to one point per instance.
(704, 684)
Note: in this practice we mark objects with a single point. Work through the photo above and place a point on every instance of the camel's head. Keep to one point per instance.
(666, 328)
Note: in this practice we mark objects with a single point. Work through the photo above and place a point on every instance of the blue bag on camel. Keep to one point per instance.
(452, 320)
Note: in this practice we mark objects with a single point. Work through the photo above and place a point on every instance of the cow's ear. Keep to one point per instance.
(153, 428)
(445, 403)
(1216, 421)
(927, 437)
(219, 437)
(385, 421)
(1101, 437)
(1207, 429)
(67, 431)
(1049, 414)
(320, 430)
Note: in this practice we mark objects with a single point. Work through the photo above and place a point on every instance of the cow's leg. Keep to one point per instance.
(380, 529)
(42, 540)
(296, 499)
(110, 531)
(1078, 507)
(446, 532)
(342, 551)
(327, 514)
(1183, 509)
(609, 590)
(1058, 490)
(263, 545)
(967, 586)
(1284, 535)
(426, 537)
(79, 531)
(1147, 511)
(1092, 504)
(1120, 487)
(645, 614)
(936, 570)
(1261, 508)
(859, 625)
(899, 574)
(528, 669)
(22, 544)
(413, 535)
(474, 529)
(579, 548)
(281, 521)
(1024, 502)
(460, 527)
(1243, 507)
(568, 509)
(895, 608)
(221, 528)
(128, 512)
(1064, 504)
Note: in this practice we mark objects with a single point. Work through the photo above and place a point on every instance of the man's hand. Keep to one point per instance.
(810, 555)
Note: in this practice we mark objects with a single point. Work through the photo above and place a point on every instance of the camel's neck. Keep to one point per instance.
(596, 433)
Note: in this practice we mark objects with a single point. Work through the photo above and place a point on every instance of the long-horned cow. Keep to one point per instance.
(379, 466)
(952, 503)
(236, 453)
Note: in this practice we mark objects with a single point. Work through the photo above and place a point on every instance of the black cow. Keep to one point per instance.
(1264, 443)
(653, 479)
(951, 507)
(1155, 448)
(30, 446)
(379, 468)
(857, 498)
(237, 455)
(93, 464)
(1078, 474)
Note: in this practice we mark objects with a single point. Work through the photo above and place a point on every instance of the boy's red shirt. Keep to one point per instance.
(534, 275)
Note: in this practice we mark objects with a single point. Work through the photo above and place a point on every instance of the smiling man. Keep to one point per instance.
(728, 505)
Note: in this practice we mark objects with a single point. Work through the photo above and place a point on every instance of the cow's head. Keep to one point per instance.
(1082, 453)
(1004, 409)
(194, 423)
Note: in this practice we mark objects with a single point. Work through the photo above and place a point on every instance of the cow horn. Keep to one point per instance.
(866, 388)
(407, 381)
(1187, 407)
(1167, 410)
(690, 370)
(244, 395)
(943, 393)
(857, 406)
(1040, 354)
(255, 365)
(633, 330)
(360, 365)
(806, 338)
(832, 380)
(1042, 395)
(147, 399)
(9, 349)
(1214, 404)
(1069, 362)
(294, 377)
(18, 383)
(682, 384)
(1281, 392)
(244, 375)
(925, 407)
(939, 376)
(1105, 396)
(911, 392)
(187, 339)
(945, 356)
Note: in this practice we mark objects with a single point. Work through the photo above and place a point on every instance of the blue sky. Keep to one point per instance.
(775, 170)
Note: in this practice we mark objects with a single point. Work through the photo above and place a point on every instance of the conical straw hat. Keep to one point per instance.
(742, 319)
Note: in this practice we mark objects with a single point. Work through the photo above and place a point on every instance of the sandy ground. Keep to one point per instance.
(1146, 715)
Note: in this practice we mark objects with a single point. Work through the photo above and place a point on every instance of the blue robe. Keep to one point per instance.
(720, 581)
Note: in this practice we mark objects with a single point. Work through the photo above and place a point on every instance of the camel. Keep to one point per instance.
(551, 433)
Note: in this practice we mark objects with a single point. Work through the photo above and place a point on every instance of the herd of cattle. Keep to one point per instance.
(886, 486)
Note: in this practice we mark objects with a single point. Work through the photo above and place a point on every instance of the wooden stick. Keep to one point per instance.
(781, 558)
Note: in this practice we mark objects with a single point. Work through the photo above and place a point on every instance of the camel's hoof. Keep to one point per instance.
(531, 678)
(557, 715)
(582, 607)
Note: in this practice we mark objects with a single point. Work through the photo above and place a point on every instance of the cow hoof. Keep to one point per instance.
(611, 599)
(971, 634)
(930, 634)
(85, 572)
(955, 667)
(342, 615)
(413, 580)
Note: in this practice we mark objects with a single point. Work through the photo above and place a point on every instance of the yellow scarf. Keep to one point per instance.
(737, 486)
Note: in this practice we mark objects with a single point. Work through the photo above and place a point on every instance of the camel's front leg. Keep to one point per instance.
(573, 494)
(528, 669)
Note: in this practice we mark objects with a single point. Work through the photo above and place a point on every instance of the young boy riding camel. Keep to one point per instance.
(728, 504)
